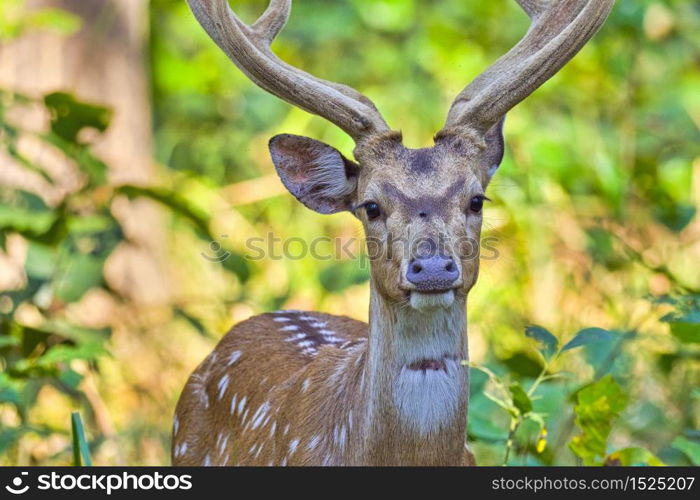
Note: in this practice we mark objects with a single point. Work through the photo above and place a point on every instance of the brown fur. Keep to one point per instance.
(272, 370)
(327, 390)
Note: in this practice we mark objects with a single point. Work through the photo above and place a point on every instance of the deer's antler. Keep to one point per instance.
(560, 28)
(249, 48)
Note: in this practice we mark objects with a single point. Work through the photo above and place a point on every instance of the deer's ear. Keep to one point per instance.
(495, 148)
(315, 173)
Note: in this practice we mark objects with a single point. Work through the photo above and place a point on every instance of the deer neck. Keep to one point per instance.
(415, 387)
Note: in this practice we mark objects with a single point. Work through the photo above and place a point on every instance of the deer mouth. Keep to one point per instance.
(433, 299)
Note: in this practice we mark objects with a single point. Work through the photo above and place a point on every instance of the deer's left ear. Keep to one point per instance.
(317, 174)
(495, 148)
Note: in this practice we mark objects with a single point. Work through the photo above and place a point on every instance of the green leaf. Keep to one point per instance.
(523, 365)
(597, 406)
(6, 341)
(70, 116)
(690, 448)
(675, 216)
(41, 261)
(25, 221)
(548, 341)
(70, 378)
(588, 336)
(66, 353)
(81, 273)
(520, 398)
(75, 333)
(687, 328)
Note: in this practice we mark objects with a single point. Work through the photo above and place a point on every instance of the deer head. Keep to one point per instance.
(420, 208)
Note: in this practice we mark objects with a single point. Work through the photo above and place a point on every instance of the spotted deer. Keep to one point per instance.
(307, 388)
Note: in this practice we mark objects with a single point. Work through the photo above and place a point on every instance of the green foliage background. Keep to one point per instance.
(584, 331)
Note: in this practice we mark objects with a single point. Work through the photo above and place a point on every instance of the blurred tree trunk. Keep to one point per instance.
(103, 62)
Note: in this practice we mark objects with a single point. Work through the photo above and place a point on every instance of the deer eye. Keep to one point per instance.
(476, 204)
(372, 210)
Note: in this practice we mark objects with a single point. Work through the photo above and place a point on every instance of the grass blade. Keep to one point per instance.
(80, 444)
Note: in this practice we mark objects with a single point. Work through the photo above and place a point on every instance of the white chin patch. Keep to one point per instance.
(423, 301)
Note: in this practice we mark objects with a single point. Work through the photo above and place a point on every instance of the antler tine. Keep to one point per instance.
(273, 19)
(533, 7)
(249, 49)
(559, 30)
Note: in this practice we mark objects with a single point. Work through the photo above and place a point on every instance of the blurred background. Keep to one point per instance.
(134, 167)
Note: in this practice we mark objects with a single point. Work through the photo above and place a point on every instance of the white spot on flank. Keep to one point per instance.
(181, 450)
(318, 324)
(282, 319)
(313, 443)
(293, 446)
(199, 384)
(176, 425)
(294, 338)
(241, 404)
(207, 461)
(350, 419)
(283, 462)
(260, 414)
(234, 357)
(306, 317)
(286, 429)
(222, 447)
(273, 428)
(305, 385)
(223, 384)
(339, 435)
(289, 328)
(306, 343)
(244, 416)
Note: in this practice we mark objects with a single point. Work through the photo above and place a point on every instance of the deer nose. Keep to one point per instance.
(434, 273)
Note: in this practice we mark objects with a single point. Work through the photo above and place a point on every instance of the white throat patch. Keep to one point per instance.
(428, 399)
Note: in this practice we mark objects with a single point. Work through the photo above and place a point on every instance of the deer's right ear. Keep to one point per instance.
(315, 173)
